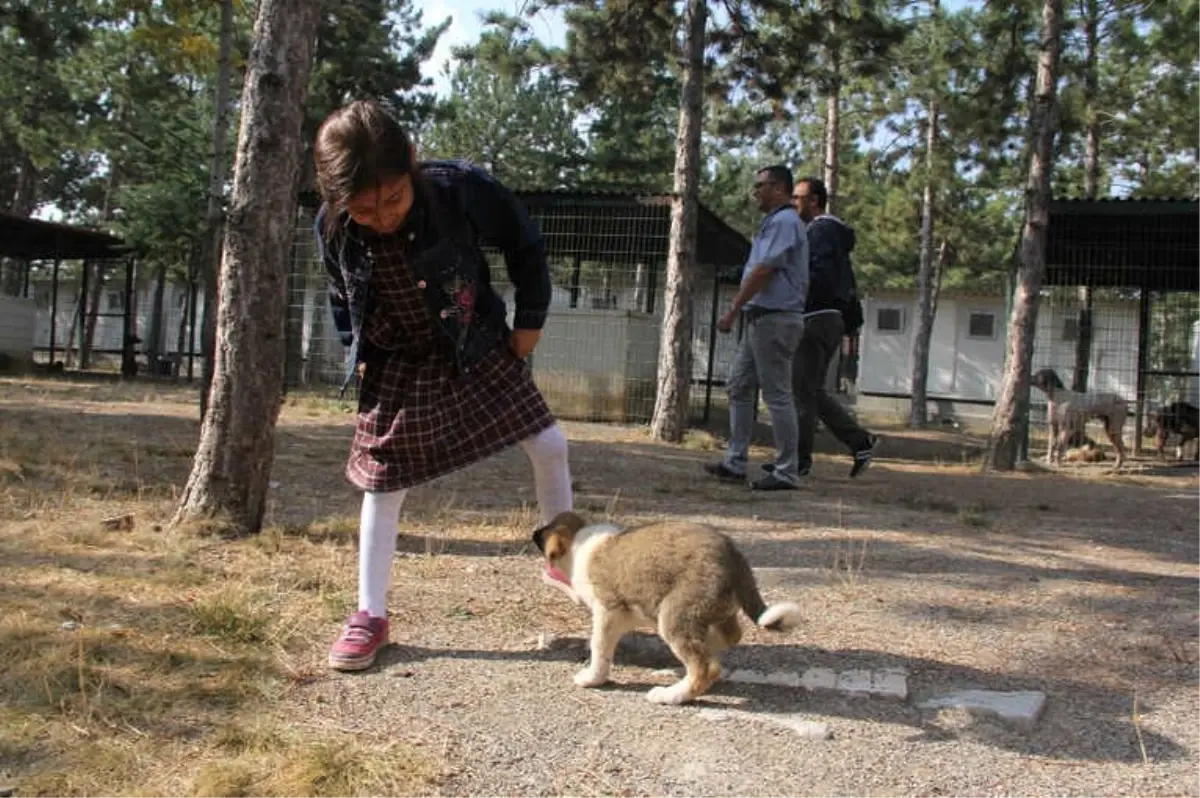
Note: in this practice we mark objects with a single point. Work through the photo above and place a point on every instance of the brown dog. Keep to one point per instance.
(1181, 418)
(688, 579)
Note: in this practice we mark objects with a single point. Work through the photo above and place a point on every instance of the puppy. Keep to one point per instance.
(688, 579)
(1180, 418)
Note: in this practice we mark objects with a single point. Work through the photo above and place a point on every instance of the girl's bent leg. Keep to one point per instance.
(547, 452)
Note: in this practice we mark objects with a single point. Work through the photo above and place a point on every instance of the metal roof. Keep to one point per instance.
(618, 226)
(36, 239)
(1131, 243)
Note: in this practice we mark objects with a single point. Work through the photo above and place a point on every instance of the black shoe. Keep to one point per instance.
(773, 481)
(862, 458)
(724, 473)
(770, 468)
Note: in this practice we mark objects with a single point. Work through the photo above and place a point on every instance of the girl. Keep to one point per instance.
(443, 380)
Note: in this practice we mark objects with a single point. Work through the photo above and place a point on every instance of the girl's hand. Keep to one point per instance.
(522, 342)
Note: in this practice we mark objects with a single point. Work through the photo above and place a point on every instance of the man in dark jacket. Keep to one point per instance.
(831, 293)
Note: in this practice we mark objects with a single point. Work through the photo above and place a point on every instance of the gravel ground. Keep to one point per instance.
(1081, 586)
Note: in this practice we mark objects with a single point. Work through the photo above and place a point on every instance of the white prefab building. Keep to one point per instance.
(16, 329)
(967, 349)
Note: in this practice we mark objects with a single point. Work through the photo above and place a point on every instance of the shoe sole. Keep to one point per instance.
(858, 472)
(355, 664)
(733, 478)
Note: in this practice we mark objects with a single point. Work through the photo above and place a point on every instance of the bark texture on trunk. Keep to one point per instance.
(918, 415)
(214, 215)
(670, 418)
(231, 471)
(833, 54)
(1091, 181)
(1010, 422)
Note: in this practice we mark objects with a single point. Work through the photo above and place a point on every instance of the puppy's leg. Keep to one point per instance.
(607, 628)
(722, 636)
(689, 641)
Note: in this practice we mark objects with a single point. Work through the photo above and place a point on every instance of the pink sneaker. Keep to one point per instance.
(360, 641)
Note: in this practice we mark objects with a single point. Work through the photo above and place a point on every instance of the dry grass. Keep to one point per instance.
(146, 660)
(172, 661)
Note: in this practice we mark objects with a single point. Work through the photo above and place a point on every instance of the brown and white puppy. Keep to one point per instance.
(688, 579)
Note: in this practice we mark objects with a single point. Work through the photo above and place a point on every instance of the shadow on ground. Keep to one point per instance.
(1113, 737)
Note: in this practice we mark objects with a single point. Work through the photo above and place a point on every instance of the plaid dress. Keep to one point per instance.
(418, 418)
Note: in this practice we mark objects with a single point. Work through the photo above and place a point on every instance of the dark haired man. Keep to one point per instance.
(832, 299)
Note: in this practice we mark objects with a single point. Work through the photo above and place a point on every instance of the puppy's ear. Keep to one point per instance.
(557, 544)
(539, 536)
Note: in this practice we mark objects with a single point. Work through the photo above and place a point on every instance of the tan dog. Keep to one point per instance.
(687, 578)
(1069, 412)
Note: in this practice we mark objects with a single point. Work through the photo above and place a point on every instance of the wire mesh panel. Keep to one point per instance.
(1120, 311)
(598, 356)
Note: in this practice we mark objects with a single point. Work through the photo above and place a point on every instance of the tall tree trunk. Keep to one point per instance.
(100, 276)
(1010, 423)
(670, 418)
(832, 104)
(918, 416)
(1091, 181)
(154, 341)
(210, 262)
(231, 471)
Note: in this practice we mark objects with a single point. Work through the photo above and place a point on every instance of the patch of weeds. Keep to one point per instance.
(975, 515)
(849, 561)
(700, 441)
(269, 762)
(338, 604)
(924, 502)
(341, 530)
(231, 615)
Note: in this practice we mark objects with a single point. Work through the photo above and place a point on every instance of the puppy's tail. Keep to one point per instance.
(777, 617)
(780, 617)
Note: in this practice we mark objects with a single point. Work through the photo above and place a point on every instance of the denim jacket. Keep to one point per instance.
(464, 208)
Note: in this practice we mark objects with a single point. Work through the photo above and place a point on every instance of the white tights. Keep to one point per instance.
(380, 519)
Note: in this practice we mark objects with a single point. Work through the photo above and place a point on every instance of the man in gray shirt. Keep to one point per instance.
(771, 299)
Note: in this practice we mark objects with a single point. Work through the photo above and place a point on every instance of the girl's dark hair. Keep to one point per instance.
(357, 147)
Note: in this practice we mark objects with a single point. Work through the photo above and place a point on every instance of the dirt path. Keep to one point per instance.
(1083, 589)
(202, 669)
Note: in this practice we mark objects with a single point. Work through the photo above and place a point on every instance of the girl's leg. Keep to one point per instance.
(547, 452)
(377, 528)
(366, 631)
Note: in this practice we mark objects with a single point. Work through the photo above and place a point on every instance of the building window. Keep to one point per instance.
(116, 301)
(889, 320)
(981, 325)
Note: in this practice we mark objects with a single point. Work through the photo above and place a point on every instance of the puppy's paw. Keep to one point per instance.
(591, 677)
(674, 695)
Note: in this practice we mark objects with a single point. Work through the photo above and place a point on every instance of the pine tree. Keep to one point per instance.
(232, 466)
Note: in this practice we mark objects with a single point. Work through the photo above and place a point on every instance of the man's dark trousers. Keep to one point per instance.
(821, 341)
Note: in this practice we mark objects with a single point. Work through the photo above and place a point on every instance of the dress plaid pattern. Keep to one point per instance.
(418, 418)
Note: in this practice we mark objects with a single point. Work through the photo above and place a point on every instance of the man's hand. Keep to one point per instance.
(522, 342)
(725, 323)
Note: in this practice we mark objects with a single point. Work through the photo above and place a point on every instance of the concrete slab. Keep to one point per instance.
(1021, 708)
(888, 683)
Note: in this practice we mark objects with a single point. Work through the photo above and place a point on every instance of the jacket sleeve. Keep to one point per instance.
(338, 302)
(501, 221)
